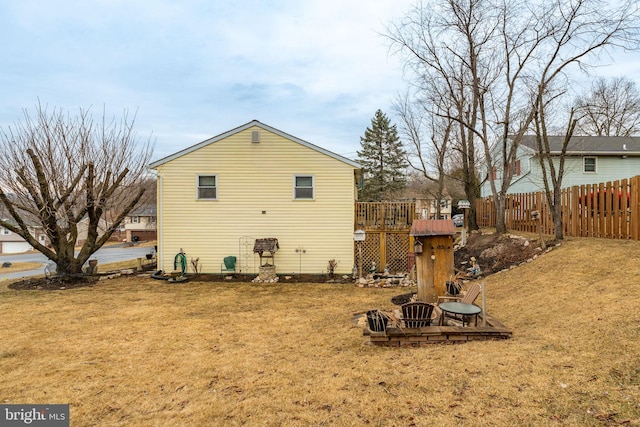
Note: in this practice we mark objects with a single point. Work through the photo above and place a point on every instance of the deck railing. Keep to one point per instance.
(384, 216)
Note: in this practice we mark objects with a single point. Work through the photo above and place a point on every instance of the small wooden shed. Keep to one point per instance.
(433, 247)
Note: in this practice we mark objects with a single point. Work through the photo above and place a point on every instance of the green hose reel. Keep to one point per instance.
(180, 262)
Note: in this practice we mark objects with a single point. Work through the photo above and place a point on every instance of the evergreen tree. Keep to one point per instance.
(383, 160)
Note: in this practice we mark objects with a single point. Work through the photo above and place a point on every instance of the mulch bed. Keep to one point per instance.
(53, 283)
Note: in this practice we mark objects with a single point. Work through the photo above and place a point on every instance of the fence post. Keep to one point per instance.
(634, 208)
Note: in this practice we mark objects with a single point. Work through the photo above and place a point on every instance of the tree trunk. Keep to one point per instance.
(500, 203)
(557, 214)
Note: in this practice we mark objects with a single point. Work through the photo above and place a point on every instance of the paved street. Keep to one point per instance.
(104, 256)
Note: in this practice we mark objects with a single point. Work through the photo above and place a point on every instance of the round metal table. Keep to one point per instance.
(459, 309)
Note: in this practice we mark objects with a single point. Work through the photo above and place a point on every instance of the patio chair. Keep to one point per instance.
(228, 265)
(468, 298)
(417, 314)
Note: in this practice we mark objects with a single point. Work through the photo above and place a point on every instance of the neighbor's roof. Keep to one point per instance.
(600, 145)
(245, 127)
(433, 227)
(144, 210)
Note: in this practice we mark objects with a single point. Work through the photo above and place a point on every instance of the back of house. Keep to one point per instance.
(216, 198)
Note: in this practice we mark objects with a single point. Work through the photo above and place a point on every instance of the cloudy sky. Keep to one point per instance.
(317, 69)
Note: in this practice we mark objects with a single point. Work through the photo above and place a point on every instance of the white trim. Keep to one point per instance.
(313, 186)
(198, 186)
(160, 251)
(595, 165)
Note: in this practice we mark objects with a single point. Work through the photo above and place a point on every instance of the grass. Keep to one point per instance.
(136, 351)
(21, 266)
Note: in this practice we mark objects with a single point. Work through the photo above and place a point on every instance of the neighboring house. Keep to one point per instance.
(254, 182)
(83, 228)
(11, 243)
(589, 160)
(428, 208)
(141, 224)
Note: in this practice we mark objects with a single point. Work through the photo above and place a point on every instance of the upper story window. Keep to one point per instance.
(589, 164)
(135, 219)
(515, 167)
(303, 187)
(4, 231)
(207, 187)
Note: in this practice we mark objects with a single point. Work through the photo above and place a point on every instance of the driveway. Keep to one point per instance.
(103, 255)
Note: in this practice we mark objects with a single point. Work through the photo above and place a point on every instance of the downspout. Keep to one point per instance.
(159, 222)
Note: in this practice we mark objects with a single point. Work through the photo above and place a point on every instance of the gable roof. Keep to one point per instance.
(245, 127)
(432, 227)
(144, 210)
(596, 145)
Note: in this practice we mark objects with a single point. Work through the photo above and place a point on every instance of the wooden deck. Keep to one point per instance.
(398, 337)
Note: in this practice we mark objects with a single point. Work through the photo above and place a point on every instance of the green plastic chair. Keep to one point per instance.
(228, 265)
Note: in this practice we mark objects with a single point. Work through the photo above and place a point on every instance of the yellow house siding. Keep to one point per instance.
(255, 197)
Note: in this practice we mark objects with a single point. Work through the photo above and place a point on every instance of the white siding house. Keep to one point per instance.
(589, 160)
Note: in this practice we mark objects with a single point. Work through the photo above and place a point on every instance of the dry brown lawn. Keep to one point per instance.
(21, 266)
(141, 352)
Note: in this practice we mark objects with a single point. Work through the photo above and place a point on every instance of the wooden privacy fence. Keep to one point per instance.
(607, 210)
(387, 226)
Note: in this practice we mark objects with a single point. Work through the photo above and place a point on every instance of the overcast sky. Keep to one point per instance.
(316, 69)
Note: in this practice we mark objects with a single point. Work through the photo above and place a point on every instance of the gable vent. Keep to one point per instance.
(255, 136)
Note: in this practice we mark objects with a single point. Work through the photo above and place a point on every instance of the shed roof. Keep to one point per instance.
(433, 227)
(266, 245)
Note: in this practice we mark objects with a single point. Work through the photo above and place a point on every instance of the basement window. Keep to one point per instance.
(207, 187)
(303, 187)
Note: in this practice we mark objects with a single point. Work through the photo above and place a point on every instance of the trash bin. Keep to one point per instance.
(135, 239)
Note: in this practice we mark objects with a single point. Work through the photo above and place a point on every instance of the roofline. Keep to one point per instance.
(246, 126)
(597, 153)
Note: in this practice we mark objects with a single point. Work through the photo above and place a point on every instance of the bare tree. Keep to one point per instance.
(442, 44)
(427, 138)
(57, 170)
(500, 58)
(553, 171)
(611, 108)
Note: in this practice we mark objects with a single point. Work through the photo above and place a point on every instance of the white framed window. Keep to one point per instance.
(589, 164)
(4, 231)
(207, 187)
(303, 187)
(42, 238)
(135, 219)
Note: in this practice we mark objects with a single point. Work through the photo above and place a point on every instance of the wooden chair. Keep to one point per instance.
(228, 265)
(468, 298)
(417, 314)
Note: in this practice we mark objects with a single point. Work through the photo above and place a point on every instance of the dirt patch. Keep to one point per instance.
(53, 283)
(62, 283)
(495, 253)
(296, 278)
